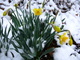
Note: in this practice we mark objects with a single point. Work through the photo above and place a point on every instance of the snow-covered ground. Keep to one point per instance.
(66, 53)
(72, 19)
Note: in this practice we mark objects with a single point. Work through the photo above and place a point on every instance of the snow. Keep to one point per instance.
(72, 19)
(65, 53)
(3, 57)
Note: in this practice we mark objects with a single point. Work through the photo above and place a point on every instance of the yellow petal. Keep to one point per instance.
(65, 34)
(5, 13)
(57, 29)
(70, 42)
(16, 5)
(34, 10)
(37, 11)
(63, 38)
(61, 42)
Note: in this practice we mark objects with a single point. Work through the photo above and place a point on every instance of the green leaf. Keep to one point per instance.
(25, 56)
(50, 39)
(15, 21)
(47, 51)
(63, 19)
(15, 46)
(62, 27)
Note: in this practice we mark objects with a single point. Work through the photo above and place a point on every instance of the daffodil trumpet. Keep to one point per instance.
(37, 11)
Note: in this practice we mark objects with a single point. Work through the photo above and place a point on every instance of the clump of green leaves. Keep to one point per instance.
(30, 33)
(4, 38)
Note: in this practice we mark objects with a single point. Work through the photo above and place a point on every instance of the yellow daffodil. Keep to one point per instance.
(70, 42)
(56, 28)
(6, 12)
(37, 11)
(16, 5)
(63, 38)
(61, 42)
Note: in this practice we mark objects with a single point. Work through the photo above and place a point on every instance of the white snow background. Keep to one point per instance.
(72, 19)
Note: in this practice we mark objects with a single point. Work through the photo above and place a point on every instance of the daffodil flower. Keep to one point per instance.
(56, 28)
(6, 12)
(37, 11)
(63, 38)
(70, 42)
(16, 5)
